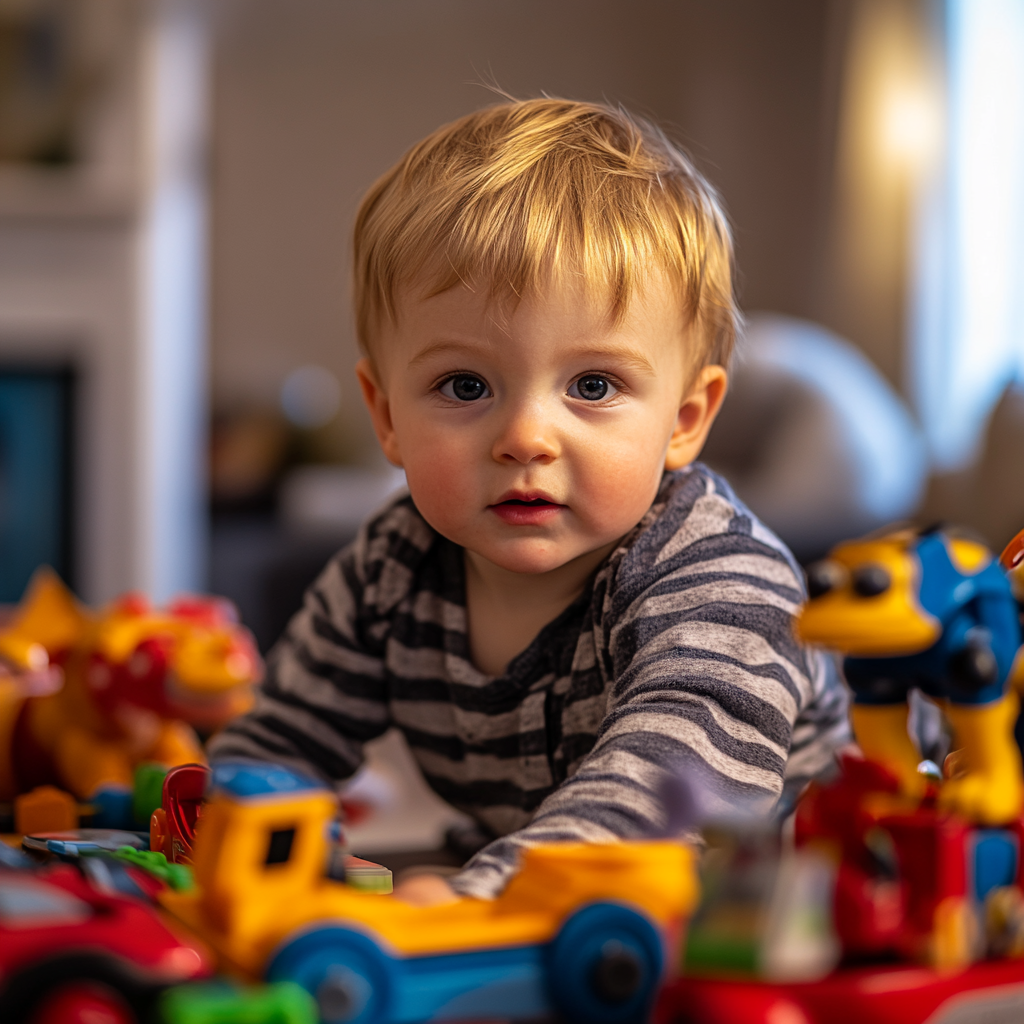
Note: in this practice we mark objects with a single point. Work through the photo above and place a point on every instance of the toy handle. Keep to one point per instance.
(1012, 557)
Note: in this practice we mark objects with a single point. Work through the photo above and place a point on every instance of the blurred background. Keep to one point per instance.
(177, 187)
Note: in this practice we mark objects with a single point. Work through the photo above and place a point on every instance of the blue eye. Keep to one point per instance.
(593, 388)
(465, 388)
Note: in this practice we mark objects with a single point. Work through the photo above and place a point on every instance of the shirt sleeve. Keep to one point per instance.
(706, 678)
(324, 695)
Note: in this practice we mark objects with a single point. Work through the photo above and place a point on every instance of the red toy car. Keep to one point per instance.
(71, 954)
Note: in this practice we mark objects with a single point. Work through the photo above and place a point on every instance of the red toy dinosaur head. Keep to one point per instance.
(190, 661)
(193, 661)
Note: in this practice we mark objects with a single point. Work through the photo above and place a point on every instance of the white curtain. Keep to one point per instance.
(968, 314)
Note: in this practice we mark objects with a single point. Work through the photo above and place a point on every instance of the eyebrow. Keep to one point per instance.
(632, 357)
(439, 348)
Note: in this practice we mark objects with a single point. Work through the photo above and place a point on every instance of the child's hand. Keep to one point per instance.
(425, 890)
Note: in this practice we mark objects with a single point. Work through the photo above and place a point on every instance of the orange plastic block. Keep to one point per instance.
(45, 809)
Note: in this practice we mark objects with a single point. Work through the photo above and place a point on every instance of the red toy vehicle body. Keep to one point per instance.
(990, 992)
(915, 909)
(67, 948)
(913, 881)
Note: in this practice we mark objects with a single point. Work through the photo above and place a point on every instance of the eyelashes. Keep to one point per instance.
(468, 387)
(592, 387)
(464, 387)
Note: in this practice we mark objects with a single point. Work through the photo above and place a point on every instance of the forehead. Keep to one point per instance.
(564, 311)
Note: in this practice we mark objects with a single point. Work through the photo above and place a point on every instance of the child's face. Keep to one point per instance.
(536, 439)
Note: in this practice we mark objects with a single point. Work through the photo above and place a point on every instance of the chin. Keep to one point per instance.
(530, 562)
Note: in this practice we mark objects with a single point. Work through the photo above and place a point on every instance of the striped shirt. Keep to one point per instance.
(679, 655)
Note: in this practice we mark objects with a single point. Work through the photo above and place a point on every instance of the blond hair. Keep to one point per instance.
(511, 195)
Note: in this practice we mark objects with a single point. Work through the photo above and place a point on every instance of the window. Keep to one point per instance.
(279, 849)
(968, 315)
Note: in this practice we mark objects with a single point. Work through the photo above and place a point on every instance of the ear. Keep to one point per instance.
(696, 414)
(377, 403)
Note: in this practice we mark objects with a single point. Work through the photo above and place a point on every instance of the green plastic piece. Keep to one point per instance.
(147, 791)
(364, 876)
(710, 954)
(177, 876)
(379, 884)
(215, 1003)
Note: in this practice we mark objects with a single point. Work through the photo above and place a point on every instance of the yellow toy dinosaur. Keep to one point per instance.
(89, 695)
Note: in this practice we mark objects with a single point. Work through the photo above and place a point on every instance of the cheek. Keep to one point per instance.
(623, 471)
(439, 469)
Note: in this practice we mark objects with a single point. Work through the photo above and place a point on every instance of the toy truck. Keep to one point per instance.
(583, 930)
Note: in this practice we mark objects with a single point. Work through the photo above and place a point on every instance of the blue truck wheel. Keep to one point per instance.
(348, 974)
(604, 965)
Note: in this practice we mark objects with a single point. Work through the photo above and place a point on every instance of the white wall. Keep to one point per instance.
(103, 266)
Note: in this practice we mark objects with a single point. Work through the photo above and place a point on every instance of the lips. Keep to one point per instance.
(526, 508)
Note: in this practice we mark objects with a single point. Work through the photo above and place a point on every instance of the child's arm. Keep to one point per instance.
(323, 696)
(706, 677)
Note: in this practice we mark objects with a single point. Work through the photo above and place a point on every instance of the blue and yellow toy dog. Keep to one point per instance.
(935, 611)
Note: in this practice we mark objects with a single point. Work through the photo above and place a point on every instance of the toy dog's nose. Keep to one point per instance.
(870, 580)
(823, 577)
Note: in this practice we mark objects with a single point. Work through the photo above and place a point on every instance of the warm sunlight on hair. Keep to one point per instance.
(510, 196)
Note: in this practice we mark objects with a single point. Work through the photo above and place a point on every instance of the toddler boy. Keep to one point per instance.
(565, 604)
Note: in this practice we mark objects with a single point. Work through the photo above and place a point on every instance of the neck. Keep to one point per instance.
(506, 610)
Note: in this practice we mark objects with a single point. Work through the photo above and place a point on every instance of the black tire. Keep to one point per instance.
(28, 989)
(604, 965)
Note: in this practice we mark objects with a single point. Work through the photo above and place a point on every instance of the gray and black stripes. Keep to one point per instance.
(679, 653)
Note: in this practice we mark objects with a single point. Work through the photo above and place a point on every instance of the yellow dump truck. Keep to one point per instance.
(583, 930)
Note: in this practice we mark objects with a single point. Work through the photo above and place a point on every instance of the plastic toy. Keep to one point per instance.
(890, 994)
(172, 830)
(147, 790)
(176, 876)
(76, 841)
(45, 809)
(913, 882)
(67, 948)
(919, 897)
(366, 876)
(927, 885)
(214, 1003)
(764, 912)
(133, 678)
(935, 611)
(580, 929)
(1012, 561)
(172, 827)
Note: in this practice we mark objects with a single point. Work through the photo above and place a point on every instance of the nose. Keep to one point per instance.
(528, 434)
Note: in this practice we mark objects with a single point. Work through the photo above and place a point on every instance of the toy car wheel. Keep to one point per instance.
(64, 981)
(84, 1003)
(352, 979)
(604, 965)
